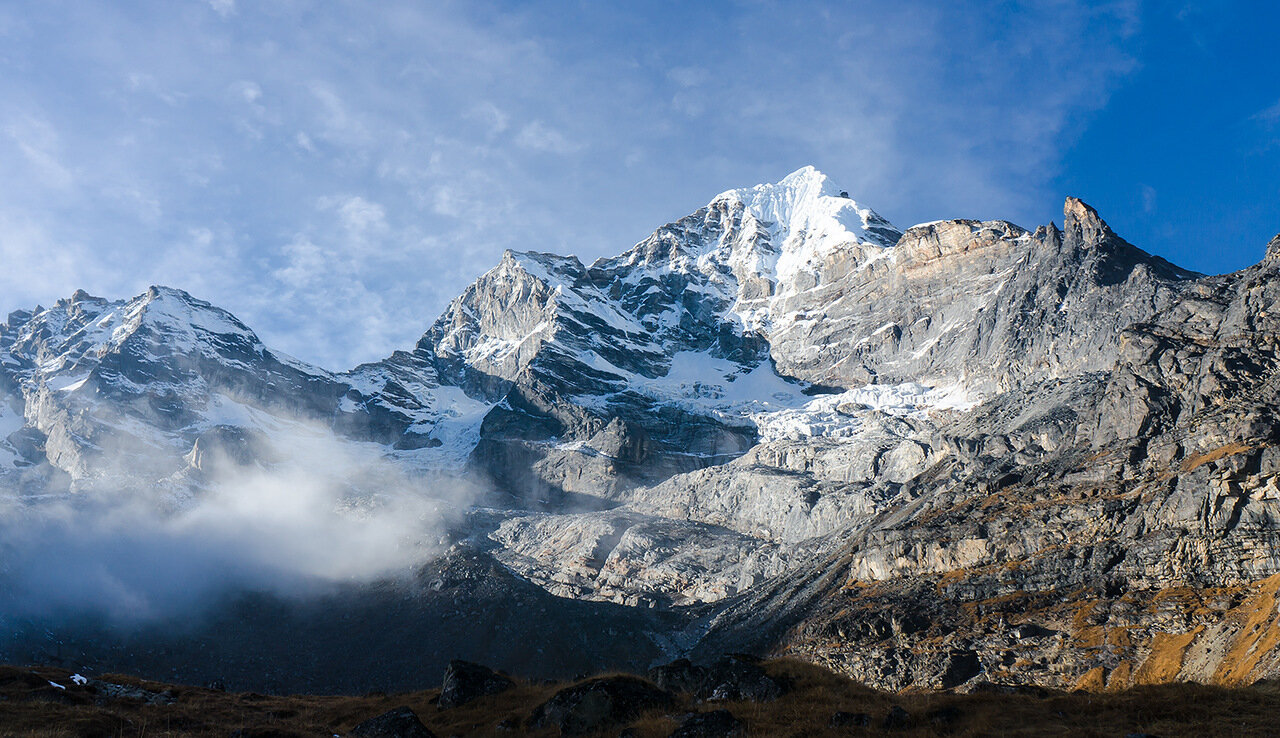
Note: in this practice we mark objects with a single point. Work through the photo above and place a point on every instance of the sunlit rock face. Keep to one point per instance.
(930, 457)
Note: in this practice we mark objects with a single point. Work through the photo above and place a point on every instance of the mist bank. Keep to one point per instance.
(302, 514)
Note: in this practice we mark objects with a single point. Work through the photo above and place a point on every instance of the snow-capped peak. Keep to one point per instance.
(84, 328)
(178, 308)
(552, 269)
(790, 233)
(745, 253)
(184, 322)
(808, 202)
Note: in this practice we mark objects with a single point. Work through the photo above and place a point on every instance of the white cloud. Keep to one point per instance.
(325, 513)
(361, 218)
(36, 263)
(688, 76)
(538, 136)
(142, 82)
(139, 81)
(306, 264)
(1269, 115)
(39, 144)
(224, 8)
(249, 90)
(337, 122)
(494, 118)
(445, 200)
(1148, 198)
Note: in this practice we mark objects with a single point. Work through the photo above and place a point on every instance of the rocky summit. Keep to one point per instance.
(953, 456)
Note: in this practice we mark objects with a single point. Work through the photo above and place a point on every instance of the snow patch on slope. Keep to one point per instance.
(224, 411)
(455, 422)
(779, 408)
(841, 415)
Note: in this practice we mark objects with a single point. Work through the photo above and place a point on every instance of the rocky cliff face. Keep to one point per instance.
(961, 452)
(1112, 529)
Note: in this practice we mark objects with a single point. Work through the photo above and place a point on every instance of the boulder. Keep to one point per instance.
(465, 681)
(736, 678)
(398, 723)
(897, 718)
(731, 678)
(715, 724)
(681, 675)
(598, 704)
(844, 719)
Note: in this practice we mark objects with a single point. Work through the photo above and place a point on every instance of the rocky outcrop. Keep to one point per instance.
(1068, 552)
(734, 678)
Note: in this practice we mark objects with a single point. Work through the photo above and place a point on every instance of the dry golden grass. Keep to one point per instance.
(1259, 633)
(1165, 660)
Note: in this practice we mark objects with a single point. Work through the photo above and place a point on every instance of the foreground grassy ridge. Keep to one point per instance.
(30, 706)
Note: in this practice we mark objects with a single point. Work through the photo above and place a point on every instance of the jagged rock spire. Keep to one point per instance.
(1083, 222)
(1273, 249)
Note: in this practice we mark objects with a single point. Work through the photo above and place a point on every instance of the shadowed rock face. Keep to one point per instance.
(964, 452)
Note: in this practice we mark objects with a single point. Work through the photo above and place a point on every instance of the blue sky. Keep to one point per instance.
(334, 173)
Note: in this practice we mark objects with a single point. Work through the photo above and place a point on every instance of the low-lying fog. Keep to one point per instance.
(322, 512)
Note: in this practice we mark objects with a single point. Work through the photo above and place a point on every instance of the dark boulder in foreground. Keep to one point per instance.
(681, 675)
(398, 723)
(737, 677)
(731, 678)
(897, 718)
(465, 681)
(844, 719)
(597, 704)
(715, 724)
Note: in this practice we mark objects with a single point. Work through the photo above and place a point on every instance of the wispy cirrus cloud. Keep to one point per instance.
(537, 136)
(1269, 116)
(224, 8)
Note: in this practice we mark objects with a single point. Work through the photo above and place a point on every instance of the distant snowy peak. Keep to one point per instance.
(79, 331)
(753, 229)
(532, 306)
(182, 322)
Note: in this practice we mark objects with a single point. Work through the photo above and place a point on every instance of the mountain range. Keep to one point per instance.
(961, 453)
